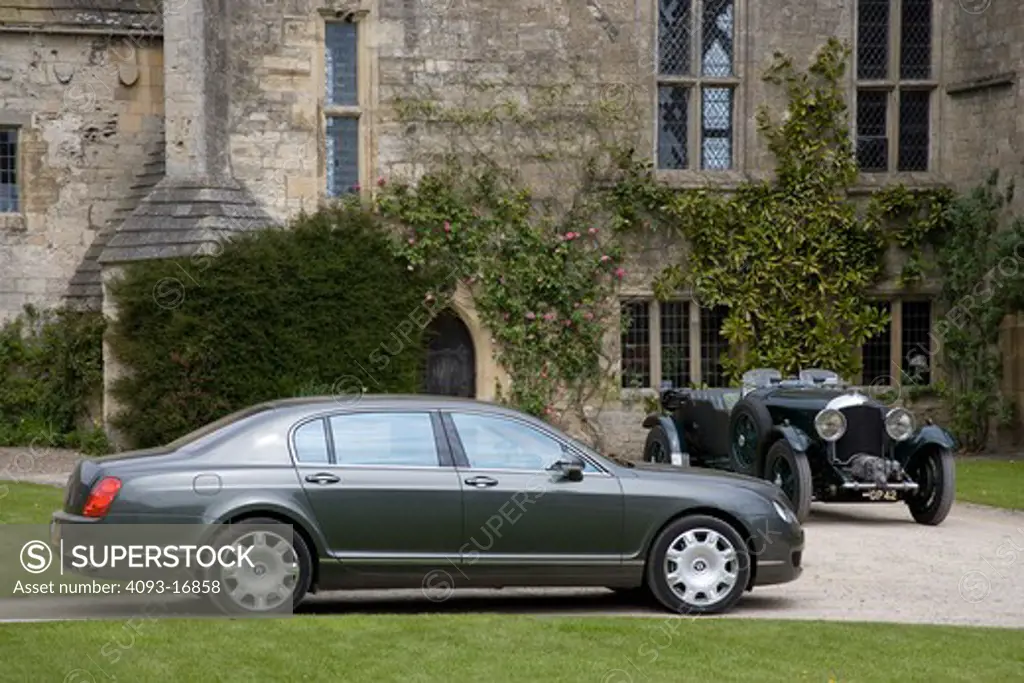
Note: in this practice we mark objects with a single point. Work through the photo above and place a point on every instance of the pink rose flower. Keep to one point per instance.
(606, 258)
(412, 240)
(620, 273)
(381, 182)
(447, 226)
(531, 315)
(592, 231)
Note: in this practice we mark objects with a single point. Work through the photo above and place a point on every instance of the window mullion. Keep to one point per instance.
(896, 341)
(654, 343)
(695, 344)
(895, 74)
(697, 38)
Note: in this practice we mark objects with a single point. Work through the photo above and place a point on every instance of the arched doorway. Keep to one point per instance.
(450, 368)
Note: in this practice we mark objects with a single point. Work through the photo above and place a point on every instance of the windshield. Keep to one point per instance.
(225, 423)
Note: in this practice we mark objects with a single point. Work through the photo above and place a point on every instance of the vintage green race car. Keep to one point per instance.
(812, 436)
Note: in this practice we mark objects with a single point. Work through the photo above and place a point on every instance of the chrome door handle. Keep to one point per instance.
(482, 482)
(322, 478)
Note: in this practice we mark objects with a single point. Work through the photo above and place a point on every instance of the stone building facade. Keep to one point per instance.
(134, 129)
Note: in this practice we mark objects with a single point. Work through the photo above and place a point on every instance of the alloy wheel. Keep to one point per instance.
(701, 567)
(268, 579)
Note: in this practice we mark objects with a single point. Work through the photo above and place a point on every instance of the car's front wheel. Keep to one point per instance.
(935, 474)
(273, 573)
(698, 565)
(790, 471)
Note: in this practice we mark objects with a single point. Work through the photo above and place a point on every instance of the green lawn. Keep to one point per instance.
(28, 503)
(493, 648)
(991, 482)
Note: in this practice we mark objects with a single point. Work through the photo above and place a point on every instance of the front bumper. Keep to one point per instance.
(778, 552)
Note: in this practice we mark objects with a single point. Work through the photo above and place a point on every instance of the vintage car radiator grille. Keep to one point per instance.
(865, 432)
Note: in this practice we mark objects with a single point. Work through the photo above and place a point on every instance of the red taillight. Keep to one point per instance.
(101, 496)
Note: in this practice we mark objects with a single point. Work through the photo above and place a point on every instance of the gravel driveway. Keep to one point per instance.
(867, 562)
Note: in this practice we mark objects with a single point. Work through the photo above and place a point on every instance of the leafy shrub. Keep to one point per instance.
(90, 441)
(51, 376)
(320, 308)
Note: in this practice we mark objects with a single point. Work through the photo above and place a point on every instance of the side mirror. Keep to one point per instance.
(568, 466)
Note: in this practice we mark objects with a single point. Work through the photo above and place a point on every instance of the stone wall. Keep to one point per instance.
(276, 93)
(87, 106)
(89, 109)
(984, 114)
(984, 110)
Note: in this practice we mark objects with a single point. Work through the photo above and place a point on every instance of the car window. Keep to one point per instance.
(396, 439)
(311, 442)
(499, 443)
(225, 425)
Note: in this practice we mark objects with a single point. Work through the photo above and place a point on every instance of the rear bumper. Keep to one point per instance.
(71, 533)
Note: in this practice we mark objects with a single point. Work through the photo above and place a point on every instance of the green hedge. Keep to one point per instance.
(51, 379)
(274, 314)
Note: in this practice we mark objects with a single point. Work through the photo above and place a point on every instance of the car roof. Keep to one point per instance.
(370, 401)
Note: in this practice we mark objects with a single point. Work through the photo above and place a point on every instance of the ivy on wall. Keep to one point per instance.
(516, 200)
(540, 282)
(982, 283)
(914, 220)
(795, 259)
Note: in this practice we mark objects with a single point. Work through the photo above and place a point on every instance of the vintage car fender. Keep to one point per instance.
(796, 437)
(929, 435)
(678, 454)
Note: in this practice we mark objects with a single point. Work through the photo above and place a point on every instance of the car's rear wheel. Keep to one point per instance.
(790, 471)
(749, 425)
(658, 447)
(935, 473)
(698, 565)
(273, 579)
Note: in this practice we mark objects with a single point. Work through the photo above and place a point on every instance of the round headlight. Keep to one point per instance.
(831, 424)
(900, 424)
